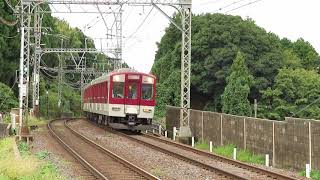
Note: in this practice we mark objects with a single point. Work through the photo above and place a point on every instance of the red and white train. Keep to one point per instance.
(123, 99)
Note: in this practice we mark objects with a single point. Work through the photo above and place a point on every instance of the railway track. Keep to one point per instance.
(102, 163)
(222, 173)
(238, 164)
(209, 161)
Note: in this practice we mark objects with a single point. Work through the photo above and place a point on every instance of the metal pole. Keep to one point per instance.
(185, 68)
(37, 59)
(25, 19)
(21, 85)
(47, 93)
(255, 108)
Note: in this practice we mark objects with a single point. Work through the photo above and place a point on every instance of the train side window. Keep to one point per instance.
(117, 90)
(147, 91)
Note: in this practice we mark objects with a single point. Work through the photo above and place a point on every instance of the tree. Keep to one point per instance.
(235, 96)
(295, 93)
(216, 39)
(7, 98)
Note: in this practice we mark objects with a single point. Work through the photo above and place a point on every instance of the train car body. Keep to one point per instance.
(123, 99)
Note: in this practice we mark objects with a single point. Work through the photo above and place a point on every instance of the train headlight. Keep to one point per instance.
(147, 110)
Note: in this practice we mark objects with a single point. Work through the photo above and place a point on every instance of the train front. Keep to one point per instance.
(132, 100)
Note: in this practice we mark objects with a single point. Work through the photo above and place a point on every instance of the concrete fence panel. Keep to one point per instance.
(315, 142)
(172, 119)
(292, 144)
(259, 136)
(211, 128)
(232, 128)
(196, 123)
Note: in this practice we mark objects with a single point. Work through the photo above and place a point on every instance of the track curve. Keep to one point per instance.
(102, 163)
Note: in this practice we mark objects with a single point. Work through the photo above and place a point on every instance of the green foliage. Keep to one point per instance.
(23, 148)
(235, 96)
(242, 155)
(315, 174)
(42, 155)
(7, 98)
(295, 93)
(226, 150)
(202, 146)
(168, 93)
(27, 168)
(32, 121)
(216, 40)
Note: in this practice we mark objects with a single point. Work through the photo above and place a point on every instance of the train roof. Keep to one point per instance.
(115, 72)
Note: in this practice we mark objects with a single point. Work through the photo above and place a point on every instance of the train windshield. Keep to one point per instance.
(133, 90)
(147, 91)
(117, 89)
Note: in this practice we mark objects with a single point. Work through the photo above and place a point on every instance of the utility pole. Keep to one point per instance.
(186, 16)
(25, 19)
(36, 60)
(60, 76)
(255, 108)
(47, 97)
(118, 21)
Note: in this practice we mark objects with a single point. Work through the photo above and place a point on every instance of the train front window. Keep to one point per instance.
(117, 89)
(133, 90)
(147, 91)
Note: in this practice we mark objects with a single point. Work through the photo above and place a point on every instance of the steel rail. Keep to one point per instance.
(86, 164)
(112, 155)
(181, 157)
(221, 158)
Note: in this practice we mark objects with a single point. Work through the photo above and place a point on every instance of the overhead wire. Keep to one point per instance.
(9, 37)
(228, 5)
(141, 24)
(137, 39)
(250, 3)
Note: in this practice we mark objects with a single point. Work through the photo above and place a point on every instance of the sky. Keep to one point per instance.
(144, 26)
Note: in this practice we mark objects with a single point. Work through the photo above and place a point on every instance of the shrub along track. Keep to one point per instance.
(102, 163)
(209, 161)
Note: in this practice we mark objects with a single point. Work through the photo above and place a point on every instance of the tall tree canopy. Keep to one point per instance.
(235, 95)
(216, 39)
(296, 92)
(7, 98)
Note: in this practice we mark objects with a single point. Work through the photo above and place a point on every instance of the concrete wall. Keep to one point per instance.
(290, 144)
(3, 130)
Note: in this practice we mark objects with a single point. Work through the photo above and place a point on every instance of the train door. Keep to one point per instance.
(132, 94)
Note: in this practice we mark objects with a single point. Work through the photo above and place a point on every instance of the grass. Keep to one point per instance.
(315, 174)
(227, 151)
(33, 121)
(29, 167)
(202, 145)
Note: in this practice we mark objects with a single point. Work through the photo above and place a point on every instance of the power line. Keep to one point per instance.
(144, 20)
(250, 3)
(138, 39)
(306, 106)
(233, 3)
(9, 37)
